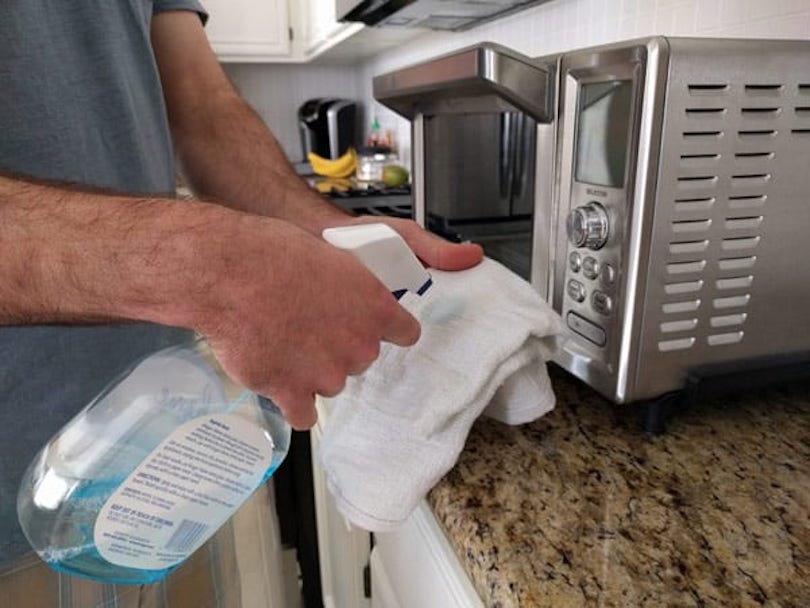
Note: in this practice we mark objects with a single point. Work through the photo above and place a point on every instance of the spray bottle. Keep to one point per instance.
(158, 461)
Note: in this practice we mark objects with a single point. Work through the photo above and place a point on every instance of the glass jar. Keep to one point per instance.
(370, 162)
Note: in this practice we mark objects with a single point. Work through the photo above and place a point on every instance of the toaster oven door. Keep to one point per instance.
(479, 182)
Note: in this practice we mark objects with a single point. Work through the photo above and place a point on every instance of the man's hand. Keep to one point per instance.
(291, 316)
(293, 320)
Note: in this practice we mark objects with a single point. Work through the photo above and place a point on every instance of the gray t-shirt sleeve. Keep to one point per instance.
(160, 6)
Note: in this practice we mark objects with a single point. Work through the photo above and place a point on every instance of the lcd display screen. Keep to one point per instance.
(603, 132)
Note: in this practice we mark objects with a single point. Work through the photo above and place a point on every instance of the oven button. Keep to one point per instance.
(608, 274)
(601, 302)
(590, 267)
(575, 261)
(587, 226)
(587, 329)
(576, 290)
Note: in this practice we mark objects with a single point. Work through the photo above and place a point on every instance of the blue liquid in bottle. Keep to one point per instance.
(148, 471)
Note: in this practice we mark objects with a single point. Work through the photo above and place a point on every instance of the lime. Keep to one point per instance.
(394, 175)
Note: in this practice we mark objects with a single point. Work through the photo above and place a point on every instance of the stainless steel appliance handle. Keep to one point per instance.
(505, 154)
(523, 143)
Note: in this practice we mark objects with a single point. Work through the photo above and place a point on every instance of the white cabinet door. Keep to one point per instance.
(249, 30)
(321, 29)
(414, 566)
(342, 548)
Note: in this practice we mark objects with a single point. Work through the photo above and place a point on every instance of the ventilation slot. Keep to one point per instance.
(715, 113)
(804, 89)
(739, 244)
(674, 308)
(674, 289)
(743, 223)
(681, 247)
(669, 327)
(670, 345)
(702, 136)
(687, 205)
(737, 263)
(697, 182)
(707, 89)
(734, 283)
(761, 113)
(754, 155)
(722, 339)
(731, 302)
(691, 226)
(804, 132)
(757, 134)
(728, 320)
(748, 180)
(686, 267)
(700, 157)
(803, 112)
(758, 90)
(752, 201)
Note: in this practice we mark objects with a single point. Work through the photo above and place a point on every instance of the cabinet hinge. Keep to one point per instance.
(367, 581)
(290, 31)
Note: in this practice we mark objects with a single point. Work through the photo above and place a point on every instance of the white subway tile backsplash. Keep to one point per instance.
(708, 16)
(685, 15)
(732, 12)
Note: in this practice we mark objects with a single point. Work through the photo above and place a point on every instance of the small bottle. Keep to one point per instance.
(374, 137)
(147, 472)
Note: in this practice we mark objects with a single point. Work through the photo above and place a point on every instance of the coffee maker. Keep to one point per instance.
(327, 126)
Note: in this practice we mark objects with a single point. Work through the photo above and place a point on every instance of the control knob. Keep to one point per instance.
(587, 226)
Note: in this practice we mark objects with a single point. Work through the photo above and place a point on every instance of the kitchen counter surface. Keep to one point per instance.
(581, 508)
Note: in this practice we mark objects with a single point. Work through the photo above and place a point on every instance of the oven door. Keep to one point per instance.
(479, 182)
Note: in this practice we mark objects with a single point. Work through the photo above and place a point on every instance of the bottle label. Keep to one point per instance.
(183, 492)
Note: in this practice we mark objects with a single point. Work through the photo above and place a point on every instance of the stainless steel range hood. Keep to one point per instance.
(452, 15)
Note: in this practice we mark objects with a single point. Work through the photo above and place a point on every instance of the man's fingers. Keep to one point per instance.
(403, 330)
(298, 409)
(433, 250)
(444, 255)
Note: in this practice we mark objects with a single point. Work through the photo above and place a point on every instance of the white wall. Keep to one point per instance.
(276, 91)
(566, 24)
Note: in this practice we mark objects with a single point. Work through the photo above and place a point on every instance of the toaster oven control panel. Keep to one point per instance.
(591, 273)
(592, 262)
(597, 155)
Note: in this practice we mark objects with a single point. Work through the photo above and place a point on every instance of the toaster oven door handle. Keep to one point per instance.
(522, 139)
(506, 154)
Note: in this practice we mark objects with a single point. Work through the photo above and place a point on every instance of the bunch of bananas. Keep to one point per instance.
(343, 166)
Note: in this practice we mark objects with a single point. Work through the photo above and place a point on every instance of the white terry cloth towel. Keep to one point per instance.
(396, 429)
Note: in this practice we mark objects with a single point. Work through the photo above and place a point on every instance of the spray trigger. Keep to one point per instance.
(385, 253)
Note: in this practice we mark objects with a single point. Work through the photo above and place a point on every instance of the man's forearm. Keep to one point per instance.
(75, 257)
(226, 151)
(229, 154)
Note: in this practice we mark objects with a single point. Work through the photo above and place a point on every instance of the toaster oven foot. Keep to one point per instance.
(657, 412)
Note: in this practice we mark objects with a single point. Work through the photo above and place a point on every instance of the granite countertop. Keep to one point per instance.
(582, 508)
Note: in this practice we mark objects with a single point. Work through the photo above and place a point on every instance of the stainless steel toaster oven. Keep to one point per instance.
(670, 215)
